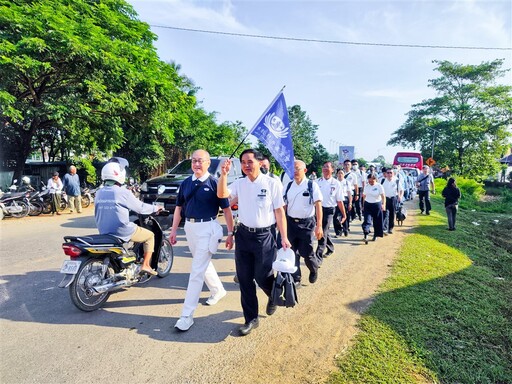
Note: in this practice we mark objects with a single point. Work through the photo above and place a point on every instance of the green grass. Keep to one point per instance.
(445, 313)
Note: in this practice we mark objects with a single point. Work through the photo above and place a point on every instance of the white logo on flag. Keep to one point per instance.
(275, 125)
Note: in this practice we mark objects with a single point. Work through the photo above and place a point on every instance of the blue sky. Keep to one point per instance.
(357, 95)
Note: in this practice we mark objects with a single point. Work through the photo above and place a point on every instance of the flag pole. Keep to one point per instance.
(257, 121)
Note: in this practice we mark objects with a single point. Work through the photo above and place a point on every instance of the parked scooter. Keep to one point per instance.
(101, 264)
(13, 204)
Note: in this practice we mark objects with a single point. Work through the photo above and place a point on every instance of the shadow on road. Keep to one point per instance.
(35, 297)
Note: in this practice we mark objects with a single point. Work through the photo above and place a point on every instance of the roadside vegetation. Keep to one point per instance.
(445, 314)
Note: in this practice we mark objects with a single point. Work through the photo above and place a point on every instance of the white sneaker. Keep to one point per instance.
(184, 323)
(214, 299)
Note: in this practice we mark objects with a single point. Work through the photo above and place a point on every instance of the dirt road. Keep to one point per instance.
(44, 339)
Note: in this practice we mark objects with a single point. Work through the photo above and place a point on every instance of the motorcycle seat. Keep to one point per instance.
(95, 239)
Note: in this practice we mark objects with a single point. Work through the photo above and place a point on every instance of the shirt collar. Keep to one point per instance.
(202, 178)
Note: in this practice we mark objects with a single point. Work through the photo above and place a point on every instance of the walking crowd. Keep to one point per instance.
(273, 216)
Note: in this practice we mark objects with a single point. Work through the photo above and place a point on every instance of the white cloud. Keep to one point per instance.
(398, 95)
(188, 14)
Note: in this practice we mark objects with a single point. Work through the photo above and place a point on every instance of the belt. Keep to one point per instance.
(301, 220)
(194, 220)
(255, 230)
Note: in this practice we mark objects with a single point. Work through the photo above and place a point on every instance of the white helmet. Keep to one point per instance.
(115, 170)
(25, 179)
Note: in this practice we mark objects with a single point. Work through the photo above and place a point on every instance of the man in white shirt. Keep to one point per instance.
(304, 219)
(352, 179)
(332, 197)
(394, 192)
(260, 208)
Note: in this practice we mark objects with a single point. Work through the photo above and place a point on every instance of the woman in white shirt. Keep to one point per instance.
(55, 187)
(373, 207)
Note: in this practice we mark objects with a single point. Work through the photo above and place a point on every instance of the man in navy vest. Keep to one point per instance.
(199, 204)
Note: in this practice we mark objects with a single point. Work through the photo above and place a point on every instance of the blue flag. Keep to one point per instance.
(273, 130)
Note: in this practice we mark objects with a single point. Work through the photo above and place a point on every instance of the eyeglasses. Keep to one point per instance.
(198, 161)
(389, 172)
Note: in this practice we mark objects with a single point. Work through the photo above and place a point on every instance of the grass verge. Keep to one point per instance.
(445, 313)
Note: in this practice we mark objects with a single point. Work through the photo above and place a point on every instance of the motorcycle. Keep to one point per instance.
(101, 264)
(13, 204)
(86, 197)
(47, 199)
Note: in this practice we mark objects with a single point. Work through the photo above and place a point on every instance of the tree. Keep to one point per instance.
(380, 160)
(467, 123)
(83, 77)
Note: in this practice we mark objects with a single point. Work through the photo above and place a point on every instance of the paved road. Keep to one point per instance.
(45, 339)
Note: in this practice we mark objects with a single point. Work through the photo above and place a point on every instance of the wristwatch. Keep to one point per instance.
(230, 233)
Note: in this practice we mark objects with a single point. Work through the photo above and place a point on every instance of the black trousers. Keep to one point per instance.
(300, 235)
(352, 214)
(424, 196)
(341, 228)
(357, 207)
(373, 212)
(325, 242)
(254, 255)
(389, 215)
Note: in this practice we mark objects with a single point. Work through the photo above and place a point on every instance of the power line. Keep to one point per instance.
(329, 41)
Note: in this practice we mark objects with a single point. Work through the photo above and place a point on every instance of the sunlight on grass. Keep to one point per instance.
(442, 315)
(418, 262)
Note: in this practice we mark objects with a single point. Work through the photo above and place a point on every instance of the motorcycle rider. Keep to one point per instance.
(112, 207)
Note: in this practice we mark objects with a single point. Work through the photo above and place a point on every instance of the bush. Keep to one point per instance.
(86, 164)
(470, 189)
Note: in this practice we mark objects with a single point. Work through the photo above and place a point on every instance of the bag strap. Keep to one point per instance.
(285, 196)
(310, 191)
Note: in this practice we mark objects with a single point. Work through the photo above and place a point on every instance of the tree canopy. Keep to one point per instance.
(467, 125)
(83, 77)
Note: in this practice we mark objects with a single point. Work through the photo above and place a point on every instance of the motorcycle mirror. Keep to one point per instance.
(161, 189)
(15, 181)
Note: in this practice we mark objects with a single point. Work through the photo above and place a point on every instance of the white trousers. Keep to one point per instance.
(198, 238)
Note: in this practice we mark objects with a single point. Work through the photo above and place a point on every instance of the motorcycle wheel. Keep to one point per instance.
(81, 289)
(47, 207)
(165, 258)
(63, 205)
(85, 201)
(36, 208)
(24, 209)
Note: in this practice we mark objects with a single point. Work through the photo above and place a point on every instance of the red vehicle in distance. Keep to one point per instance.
(409, 161)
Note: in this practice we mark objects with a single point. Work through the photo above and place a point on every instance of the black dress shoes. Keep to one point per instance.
(313, 276)
(247, 328)
(271, 307)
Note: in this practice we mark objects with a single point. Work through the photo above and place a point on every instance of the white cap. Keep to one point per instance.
(285, 261)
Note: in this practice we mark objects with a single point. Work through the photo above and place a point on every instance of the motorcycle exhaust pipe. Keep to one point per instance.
(99, 289)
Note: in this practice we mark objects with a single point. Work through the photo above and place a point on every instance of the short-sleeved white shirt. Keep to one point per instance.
(257, 200)
(359, 177)
(390, 187)
(331, 192)
(346, 188)
(373, 192)
(299, 203)
(352, 180)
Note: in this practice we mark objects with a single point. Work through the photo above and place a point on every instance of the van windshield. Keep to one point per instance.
(184, 167)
